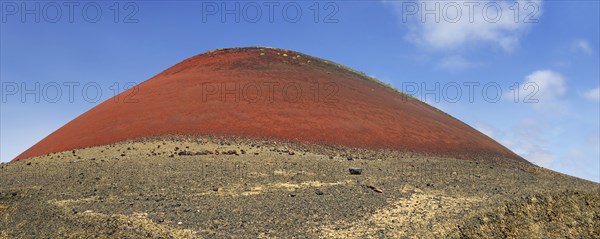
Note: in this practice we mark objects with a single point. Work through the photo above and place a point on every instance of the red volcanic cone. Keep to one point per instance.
(273, 94)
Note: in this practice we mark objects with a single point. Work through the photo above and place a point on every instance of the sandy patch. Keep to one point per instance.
(401, 217)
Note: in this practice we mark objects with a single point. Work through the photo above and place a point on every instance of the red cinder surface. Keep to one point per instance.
(271, 94)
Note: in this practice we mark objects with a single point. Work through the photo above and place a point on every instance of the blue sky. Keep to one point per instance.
(552, 47)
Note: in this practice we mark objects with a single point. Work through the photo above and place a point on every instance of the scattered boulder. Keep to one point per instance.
(185, 153)
(349, 157)
(230, 152)
(203, 152)
(355, 171)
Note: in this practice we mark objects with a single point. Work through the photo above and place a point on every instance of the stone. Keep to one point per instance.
(375, 189)
(355, 171)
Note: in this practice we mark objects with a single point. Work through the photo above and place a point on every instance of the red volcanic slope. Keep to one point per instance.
(274, 94)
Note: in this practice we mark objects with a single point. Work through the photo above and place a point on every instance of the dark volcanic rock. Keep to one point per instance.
(355, 171)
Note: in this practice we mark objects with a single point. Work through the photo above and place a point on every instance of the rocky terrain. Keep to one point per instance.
(180, 187)
(279, 144)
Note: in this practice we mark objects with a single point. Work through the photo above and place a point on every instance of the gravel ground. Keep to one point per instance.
(215, 188)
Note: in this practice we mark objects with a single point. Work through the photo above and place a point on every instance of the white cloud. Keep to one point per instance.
(486, 129)
(492, 132)
(543, 90)
(458, 23)
(538, 155)
(593, 94)
(528, 139)
(582, 159)
(582, 46)
(456, 63)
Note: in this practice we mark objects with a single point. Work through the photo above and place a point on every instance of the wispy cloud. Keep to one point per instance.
(582, 46)
(487, 129)
(593, 94)
(456, 63)
(543, 90)
(528, 139)
(537, 154)
(453, 24)
(525, 139)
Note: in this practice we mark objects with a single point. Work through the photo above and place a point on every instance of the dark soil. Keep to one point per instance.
(148, 189)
